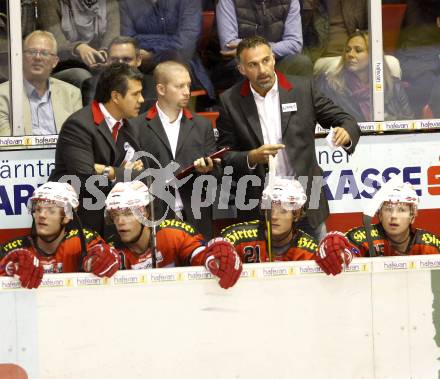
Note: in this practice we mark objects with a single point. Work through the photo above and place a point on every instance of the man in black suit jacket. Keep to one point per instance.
(98, 140)
(171, 132)
(272, 114)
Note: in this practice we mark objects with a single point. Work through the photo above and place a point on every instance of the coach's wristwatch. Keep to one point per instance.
(106, 171)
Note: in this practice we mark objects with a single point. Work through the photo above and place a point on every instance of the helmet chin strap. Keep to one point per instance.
(139, 235)
(50, 240)
(283, 236)
(399, 242)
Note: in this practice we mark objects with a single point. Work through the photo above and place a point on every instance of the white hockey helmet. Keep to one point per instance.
(402, 193)
(61, 194)
(289, 193)
(130, 195)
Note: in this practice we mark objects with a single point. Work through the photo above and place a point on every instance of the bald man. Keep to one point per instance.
(171, 132)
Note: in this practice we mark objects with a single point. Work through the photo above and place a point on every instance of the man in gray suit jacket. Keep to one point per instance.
(47, 102)
(272, 114)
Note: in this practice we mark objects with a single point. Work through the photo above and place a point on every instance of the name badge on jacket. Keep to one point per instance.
(129, 152)
(289, 107)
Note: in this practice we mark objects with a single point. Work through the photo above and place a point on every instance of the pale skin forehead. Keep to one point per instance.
(123, 48)
(40, 40)
(167, 71)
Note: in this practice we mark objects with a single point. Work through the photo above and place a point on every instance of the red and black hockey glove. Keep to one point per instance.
(334, 251)
(102, 260)
(26, 266)
(222, 260)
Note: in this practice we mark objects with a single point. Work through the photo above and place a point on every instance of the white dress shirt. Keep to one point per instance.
(43, 118)
(269, 114)
(109, 119)
(172, 130)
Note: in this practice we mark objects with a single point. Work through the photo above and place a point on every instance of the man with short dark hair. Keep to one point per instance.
(273, 114)
(98, 139)
(123, 49)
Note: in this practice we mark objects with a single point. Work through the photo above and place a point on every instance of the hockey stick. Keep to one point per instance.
(268, 211)
(153, 240)
(371, 209)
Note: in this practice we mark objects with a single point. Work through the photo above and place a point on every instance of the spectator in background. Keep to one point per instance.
(419, 50)
(277, 21)
(83, 29)
(123, 50)
(350, 86)
(47, 102)
(167, 30)
(326, 27)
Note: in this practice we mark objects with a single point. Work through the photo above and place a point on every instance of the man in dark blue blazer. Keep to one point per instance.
(272, 114)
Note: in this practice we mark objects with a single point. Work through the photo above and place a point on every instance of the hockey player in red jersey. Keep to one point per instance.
(174, 242)
(283, 241)
(393, 235)
(53, 246)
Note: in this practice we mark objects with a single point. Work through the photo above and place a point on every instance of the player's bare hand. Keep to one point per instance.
(231, 49)
(146, 55)
(228, 53)
(341, 136)
(261, 155)
(203, 165)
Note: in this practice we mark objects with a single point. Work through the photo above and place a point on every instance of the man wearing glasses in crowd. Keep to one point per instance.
(47, 102)
(123, 50)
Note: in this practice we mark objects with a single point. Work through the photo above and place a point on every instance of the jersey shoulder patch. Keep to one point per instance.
(21, 242)
(241, 232)
(306, 242)
(358, 234)
(177, 225)
(423, 237)
(89, 234)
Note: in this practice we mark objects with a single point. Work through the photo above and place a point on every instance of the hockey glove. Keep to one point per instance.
(334, 251)
(22, 263)
(222, 260)
(102, 260)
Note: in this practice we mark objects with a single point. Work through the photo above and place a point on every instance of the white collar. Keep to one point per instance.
(164, 116)
(109, 119)
(272, 92)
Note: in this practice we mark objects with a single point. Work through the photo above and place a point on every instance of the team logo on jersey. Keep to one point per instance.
(13, 245)
(147, 262)
(177, 224)
(51, 266)
(430, 239)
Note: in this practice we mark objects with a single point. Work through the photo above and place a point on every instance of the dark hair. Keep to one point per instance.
(120, 40)
(249, 43)
(115, 77)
